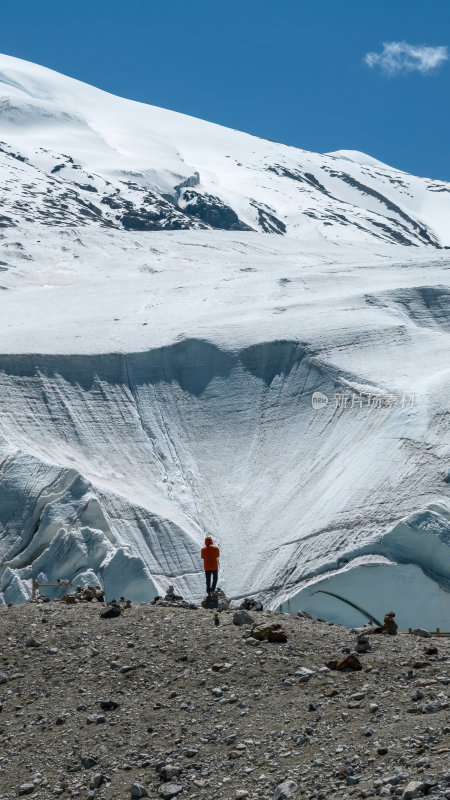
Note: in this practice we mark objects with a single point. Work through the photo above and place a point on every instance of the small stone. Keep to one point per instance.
(32, 642)
(432, 707)
(412, 789)
(108, 705)
(3, 678)
(87, 762)
(241, 793)
(169, 771)
(26, 788)
(170, 790)
(285, 790)
(96, 780)
(304, 674)
(333, 692)
(137, 790)
(373, 708)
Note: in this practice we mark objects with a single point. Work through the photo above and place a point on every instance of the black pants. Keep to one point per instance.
(211, 575)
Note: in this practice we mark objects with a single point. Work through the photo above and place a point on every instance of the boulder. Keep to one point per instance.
(112, 611)
(250, 604)
(217, 600)
(210, 601)
(270, 632)
(422, 632)
(242, 617)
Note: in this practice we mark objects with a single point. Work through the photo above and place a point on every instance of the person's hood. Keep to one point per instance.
(208, 540)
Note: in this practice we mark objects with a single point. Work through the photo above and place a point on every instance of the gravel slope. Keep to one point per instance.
(234, 733)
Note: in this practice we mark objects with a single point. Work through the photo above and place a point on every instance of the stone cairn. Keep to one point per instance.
(82, 594)
(86, 594)
(389, 626)
(172, 599)
(216, 600)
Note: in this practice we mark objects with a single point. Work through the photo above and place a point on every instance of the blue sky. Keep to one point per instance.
(289, 70)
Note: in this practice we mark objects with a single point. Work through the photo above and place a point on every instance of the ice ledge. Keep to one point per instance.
(407, 569)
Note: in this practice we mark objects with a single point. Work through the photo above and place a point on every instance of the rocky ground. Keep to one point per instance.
(164, 702)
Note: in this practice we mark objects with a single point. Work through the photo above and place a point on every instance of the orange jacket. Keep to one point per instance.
(210, 554)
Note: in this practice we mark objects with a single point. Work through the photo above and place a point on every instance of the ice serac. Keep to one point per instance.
(203, 332)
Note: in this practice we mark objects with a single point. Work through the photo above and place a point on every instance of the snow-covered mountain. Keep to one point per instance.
(74, 155)
(206, 332)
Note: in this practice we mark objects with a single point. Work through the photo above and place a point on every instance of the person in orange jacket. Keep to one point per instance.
(210, 556)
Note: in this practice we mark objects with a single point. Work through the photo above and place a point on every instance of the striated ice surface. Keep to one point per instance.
(169, 368)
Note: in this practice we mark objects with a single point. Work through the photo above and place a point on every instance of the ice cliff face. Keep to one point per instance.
(170, 370)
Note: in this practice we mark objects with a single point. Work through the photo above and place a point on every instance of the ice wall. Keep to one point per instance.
(118, 465)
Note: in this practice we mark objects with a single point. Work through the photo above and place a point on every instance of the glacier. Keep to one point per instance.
(203, 332)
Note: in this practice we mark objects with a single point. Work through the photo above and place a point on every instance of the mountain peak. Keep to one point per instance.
(104, 160)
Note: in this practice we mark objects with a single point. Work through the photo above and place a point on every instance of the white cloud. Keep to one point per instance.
(398, 57)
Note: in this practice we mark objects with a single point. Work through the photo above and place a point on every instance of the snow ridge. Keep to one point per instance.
(72, 154)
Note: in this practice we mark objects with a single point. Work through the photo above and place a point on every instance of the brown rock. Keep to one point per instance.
(235, 754)
(169, 772)
(390, 626)
(272, 632)
(350, 661)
